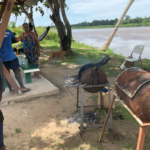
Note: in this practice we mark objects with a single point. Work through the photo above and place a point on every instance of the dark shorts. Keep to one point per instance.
(1, 136)
(13, 64)
(22, 50)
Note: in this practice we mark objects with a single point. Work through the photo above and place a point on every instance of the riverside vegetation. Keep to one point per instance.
(82, 53)
(127, 22)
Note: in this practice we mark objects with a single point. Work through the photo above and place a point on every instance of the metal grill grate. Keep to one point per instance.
(71, 80)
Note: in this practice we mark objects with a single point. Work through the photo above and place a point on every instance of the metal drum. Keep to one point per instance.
(93, 76)
(133, 87)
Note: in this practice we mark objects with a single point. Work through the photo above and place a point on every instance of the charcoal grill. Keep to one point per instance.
(73, 81)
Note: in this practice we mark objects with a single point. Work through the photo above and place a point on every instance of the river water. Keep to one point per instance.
(123, 42)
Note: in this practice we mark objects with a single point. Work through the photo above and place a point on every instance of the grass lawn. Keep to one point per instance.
(84, 54)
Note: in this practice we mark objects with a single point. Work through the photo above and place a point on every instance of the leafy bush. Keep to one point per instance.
(11, 24)
(51, 36)
(18, 31)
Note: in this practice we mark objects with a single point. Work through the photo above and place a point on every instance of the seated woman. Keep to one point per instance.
(31, 46)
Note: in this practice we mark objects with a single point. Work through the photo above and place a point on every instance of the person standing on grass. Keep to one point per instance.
(10, 60)
(31, 47)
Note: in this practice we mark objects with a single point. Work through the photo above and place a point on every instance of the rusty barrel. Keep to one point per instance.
(133, 87)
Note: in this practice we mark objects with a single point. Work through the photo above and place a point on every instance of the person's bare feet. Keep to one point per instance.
(11, 92)
(34, 76)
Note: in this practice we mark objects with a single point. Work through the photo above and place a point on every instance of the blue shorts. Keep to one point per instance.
(1, 136)
(13, 64)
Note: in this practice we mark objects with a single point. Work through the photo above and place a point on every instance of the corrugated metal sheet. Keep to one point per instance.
(31, 2)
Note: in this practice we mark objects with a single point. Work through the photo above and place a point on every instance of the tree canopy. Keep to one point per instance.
(127, 20)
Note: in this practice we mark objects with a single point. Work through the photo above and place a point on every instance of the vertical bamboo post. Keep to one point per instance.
(5, 20)
(106, 45)
(141, 138)
(106, 120)
(3, 27)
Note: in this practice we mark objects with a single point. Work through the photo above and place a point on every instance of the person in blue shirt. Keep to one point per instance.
(10, 60)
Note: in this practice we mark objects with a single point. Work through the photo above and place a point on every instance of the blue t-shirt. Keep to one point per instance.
(6, 51)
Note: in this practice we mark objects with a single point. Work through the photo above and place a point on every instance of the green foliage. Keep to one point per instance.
(11, 25)
(127, 17)
(4, 136)
(17, 11)
(112, 26)
(17, 130)
(40, 9)
(127, 22)
(18, 30)
(51, 37)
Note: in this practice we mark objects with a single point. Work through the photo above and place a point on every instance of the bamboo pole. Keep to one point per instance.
(3, 27)
(106, 45)
(106, 120)
(5, 20)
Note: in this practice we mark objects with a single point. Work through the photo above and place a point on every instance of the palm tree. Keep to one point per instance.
(106, 45)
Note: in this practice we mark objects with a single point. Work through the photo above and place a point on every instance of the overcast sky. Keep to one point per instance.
(89, 10)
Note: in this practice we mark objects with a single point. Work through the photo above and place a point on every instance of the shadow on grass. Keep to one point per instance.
(93, 55)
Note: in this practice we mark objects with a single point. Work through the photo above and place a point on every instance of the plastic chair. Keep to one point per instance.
(138, 50)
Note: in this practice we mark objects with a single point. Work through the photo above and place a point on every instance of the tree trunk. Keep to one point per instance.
(67, 24)
(30, 17)
(26, 16)
(65, 39)
(32, 22)
(106, 45)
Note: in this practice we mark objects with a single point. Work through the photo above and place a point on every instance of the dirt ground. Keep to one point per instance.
(41, 124)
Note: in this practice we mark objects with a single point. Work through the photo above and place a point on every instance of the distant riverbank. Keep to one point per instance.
(112, 26)
(123, 43)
